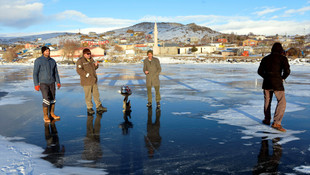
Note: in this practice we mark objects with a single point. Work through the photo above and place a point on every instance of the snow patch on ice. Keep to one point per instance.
(246, 137)
(181, 113)
(249, 117)
(23, 158)
(303, 169)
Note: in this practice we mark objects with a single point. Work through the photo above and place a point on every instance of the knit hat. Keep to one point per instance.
(86, 50)
(44, 48)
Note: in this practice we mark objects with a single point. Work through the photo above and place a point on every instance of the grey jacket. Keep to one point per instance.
(45, 71)
(154, 68)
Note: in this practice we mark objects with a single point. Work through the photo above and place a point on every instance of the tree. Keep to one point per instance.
(69, 47)
(10, 55)
(194, 49)
(118, 48)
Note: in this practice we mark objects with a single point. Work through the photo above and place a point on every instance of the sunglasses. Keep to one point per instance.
(88, 53)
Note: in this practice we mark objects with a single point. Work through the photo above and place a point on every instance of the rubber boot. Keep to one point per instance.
(55, 117)
(45, 115)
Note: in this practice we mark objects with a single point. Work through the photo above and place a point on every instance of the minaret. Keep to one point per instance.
(155, 47)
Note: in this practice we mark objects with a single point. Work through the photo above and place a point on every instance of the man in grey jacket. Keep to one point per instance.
(152, 70)
(45, 74)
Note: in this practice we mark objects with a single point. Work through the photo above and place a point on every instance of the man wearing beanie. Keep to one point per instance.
(86, 67)
(45, 75)
(274, 69)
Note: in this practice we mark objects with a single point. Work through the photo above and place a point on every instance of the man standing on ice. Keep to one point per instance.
(152, 69)
(274, 69)
(86, 67)
(45, 74)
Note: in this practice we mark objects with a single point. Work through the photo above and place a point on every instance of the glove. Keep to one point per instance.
(37, 88)
(58, 85)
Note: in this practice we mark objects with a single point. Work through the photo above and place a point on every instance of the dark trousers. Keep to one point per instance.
(280, 109)
(48, 93)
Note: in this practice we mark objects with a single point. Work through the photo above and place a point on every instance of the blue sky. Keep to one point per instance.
(24, 17)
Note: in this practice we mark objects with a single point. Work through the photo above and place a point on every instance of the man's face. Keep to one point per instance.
(87, 55)
(150, 55)
(46, 53)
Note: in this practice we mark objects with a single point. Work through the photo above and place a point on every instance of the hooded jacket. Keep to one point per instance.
(274, 68)
(45, 71)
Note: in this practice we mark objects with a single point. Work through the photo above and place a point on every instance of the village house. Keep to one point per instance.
(222, 40)
(30, 46)
(250, 42)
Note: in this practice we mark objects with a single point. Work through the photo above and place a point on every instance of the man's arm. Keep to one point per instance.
(286, 69)
(36, 71)
(57, 74)
(260, 70)
(79, 68)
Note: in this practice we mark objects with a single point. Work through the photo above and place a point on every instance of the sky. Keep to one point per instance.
(262, 17)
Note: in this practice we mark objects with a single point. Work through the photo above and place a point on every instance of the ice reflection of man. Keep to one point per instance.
(153, 138)
(268, 163)
(54, 153)
(92, 148)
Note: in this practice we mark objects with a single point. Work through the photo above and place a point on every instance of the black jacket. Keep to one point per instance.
(274, 68)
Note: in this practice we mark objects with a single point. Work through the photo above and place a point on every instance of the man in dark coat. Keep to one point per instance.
(152, 69)
(274, 69)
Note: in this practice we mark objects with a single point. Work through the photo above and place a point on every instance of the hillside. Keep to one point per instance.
(46, 38)
(167, 31)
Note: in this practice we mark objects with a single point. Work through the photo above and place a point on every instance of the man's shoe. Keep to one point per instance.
(101, 109)
(278, 127)
(149, 104)
(90, 111)
(266, 122)
(158, 104)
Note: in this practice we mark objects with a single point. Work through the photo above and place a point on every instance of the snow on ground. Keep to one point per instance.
(22, 158)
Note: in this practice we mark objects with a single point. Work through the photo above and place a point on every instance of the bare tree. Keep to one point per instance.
(69, 47)
(10, 55)
(118, 48)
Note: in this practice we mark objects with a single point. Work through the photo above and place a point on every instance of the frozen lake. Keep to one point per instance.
(209, 123)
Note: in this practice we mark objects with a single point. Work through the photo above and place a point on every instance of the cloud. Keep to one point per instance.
(267, 10)
(20, 13)
(300, 11)
(102, 21)
(266, 27)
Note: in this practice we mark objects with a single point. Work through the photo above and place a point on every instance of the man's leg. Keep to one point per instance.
(280, 109)
(157, 94)
(88, 96)
(44, 88)
(96, 95)
(52, 98)
(267, 106)
(149, 94)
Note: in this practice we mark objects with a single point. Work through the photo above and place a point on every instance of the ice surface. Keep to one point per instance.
(210, 121)
(23, 158)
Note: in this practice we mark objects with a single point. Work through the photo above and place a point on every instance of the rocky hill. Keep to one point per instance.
(167, 31)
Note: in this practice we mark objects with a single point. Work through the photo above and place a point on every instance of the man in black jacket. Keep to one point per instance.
(274, 69)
